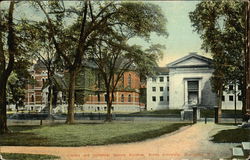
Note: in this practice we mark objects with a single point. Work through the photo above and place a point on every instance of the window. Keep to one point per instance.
(231, 98)
(122, 81)
(239, 98)
(239, 87)
(161, 79)
(129, 80)
(106, 97)
(153, 89)
(223, 98)
(129, 98)
(98, 97)
(167, 98)
(231, 87)
(167, 88)
(122, 98)
(32, 98)
(161, 89)
(153, 98)
(161, 98)
(154, 79)
(168, 79)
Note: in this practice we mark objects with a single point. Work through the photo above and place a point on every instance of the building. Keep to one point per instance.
(90, 92)
(185, 83)
(34, 98)
(126, 96)
(158, 90)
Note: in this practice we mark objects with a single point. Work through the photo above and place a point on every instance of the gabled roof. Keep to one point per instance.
(191, 60)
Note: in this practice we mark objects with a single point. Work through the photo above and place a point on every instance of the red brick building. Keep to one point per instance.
(34, 98)
(126, 96)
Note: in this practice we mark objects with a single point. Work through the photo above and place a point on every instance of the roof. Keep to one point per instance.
(162, 70)
(201, 61)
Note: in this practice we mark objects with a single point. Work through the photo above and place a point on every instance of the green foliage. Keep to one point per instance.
(221, 25)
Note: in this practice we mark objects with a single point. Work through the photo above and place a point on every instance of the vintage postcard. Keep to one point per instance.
(124, 80)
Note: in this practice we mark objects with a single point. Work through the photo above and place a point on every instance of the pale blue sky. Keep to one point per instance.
(182, 39)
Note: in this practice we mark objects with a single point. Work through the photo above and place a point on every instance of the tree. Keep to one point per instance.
(111, 52)
(7, 58)
(221, 25)
(17, 82)
(72, 42)
(43, 52)
(13, 54)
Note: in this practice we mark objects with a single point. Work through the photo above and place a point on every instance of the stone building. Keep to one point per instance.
(184, 83)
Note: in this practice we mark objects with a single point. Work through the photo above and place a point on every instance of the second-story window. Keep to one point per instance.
(129, 80)
(106, 97)
(161, 89)
(32, 98)
(98, 97)
(231, 87)
(161, 79)
(122, 98)
(153, 89)
(129, 98)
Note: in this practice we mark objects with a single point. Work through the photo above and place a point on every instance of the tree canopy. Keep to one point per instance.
(221, 25)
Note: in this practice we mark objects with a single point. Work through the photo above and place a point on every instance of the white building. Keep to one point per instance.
(184, 83)
(158, 90)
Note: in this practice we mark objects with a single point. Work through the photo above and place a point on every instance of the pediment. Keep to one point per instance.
(192, 60)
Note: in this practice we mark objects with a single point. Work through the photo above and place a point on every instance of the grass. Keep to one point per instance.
(237, 135)
(160, 112)
(86, 134)
(17, 156)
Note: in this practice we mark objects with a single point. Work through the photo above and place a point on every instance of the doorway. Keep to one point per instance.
(193, 92)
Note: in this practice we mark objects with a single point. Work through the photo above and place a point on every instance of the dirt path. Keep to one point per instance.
(189, 143)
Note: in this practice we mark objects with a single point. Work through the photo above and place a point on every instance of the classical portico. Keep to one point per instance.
(190, 82)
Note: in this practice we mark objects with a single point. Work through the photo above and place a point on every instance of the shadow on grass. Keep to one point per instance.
(24, 139)
(237, 135)
(24, 136)
(17, 156)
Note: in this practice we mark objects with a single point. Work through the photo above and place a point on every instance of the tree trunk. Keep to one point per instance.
(3, 103)
(220, 104)
(71, 98)
(109, 106)
(49, 101)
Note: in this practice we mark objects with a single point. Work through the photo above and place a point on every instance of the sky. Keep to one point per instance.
(182, 39)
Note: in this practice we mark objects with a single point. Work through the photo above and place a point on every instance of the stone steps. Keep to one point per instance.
(242, 151)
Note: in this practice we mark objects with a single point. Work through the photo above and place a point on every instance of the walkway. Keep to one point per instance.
(189, 143)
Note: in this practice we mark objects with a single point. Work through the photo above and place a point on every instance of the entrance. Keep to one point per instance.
(193, 92)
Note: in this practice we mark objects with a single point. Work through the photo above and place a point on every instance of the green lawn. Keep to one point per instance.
(232, 136)
(86, 134)
(16, 156)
